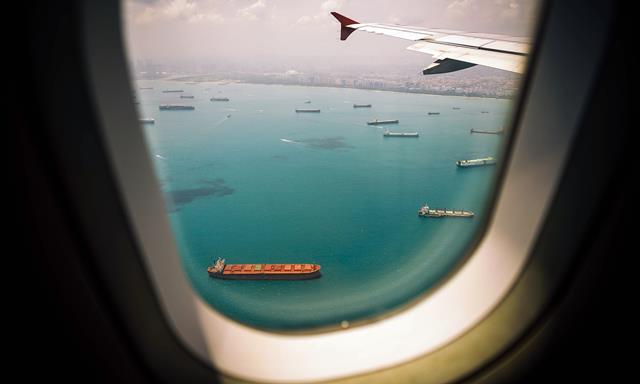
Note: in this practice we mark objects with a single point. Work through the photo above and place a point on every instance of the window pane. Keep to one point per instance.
(277, 143)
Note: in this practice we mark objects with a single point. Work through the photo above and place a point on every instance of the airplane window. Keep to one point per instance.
(325, 163)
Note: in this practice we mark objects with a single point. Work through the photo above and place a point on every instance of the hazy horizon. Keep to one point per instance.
(302, 35)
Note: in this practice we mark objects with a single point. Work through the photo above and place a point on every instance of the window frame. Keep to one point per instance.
(546, 119)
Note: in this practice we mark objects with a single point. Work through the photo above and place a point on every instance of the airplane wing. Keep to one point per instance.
(452, 50)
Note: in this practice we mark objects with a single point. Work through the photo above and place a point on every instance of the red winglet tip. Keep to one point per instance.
(343, 19)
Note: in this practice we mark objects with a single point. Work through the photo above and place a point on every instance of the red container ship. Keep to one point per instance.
(220, 270)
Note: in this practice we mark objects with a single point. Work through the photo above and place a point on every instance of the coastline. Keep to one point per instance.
(335, 86)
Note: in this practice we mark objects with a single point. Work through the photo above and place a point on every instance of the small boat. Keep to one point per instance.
(426, 211)
(400, 134)
(476, 162)
(498, 132)
(167, 107)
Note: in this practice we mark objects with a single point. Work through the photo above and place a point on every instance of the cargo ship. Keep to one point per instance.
(167, 107)
(221, 270)
(172, 90)
(425, 211)
(219, 99)
(361, 105)
(400, 134)
(380, 122)
(147, 121)
(456, 108)
(476, 162)
(498, 132)
(433, 113)
(307, 110)
(186, 96)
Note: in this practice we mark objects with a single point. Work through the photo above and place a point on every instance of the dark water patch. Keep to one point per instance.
(328, 143)
(211, 188)
(210, 164)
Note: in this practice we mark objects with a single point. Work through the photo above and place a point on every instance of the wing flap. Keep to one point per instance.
(495, 59)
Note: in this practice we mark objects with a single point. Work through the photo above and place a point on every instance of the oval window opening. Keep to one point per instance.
(314, 183)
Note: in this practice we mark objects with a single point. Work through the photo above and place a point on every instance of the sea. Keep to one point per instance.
(252, 181)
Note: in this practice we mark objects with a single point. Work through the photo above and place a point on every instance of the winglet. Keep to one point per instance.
(345, 31)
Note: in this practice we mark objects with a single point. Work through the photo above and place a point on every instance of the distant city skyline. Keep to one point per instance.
(301, 35)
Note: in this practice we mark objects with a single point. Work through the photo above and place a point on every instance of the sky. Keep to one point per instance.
(301, 34)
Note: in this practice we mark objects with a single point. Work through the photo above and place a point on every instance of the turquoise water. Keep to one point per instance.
(333, 192)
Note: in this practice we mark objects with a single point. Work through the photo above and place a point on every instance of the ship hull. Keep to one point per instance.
(479, 164)
(486, 132)
(401, 135)
(176, 108)
(267, 276)
(383, 122)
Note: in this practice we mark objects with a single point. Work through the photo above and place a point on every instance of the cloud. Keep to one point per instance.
(180, 9)
(304, 20)
(462, 8)
(332, 5)
(186, 10)
(326, 7)
(486, 13)
(254, 11)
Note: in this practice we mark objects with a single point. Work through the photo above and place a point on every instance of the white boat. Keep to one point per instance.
(400, 134)
(476, 162)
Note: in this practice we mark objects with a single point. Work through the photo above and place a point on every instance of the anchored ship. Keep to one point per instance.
(380, 122)
(400, 134)
(221, 270)
(186, 96)
(306, 110)
(147, 121)
(361, 105)
(219, 99)
(425, 211)
(174, 107)
(476, 162)
(433, 113)
(498, 132)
